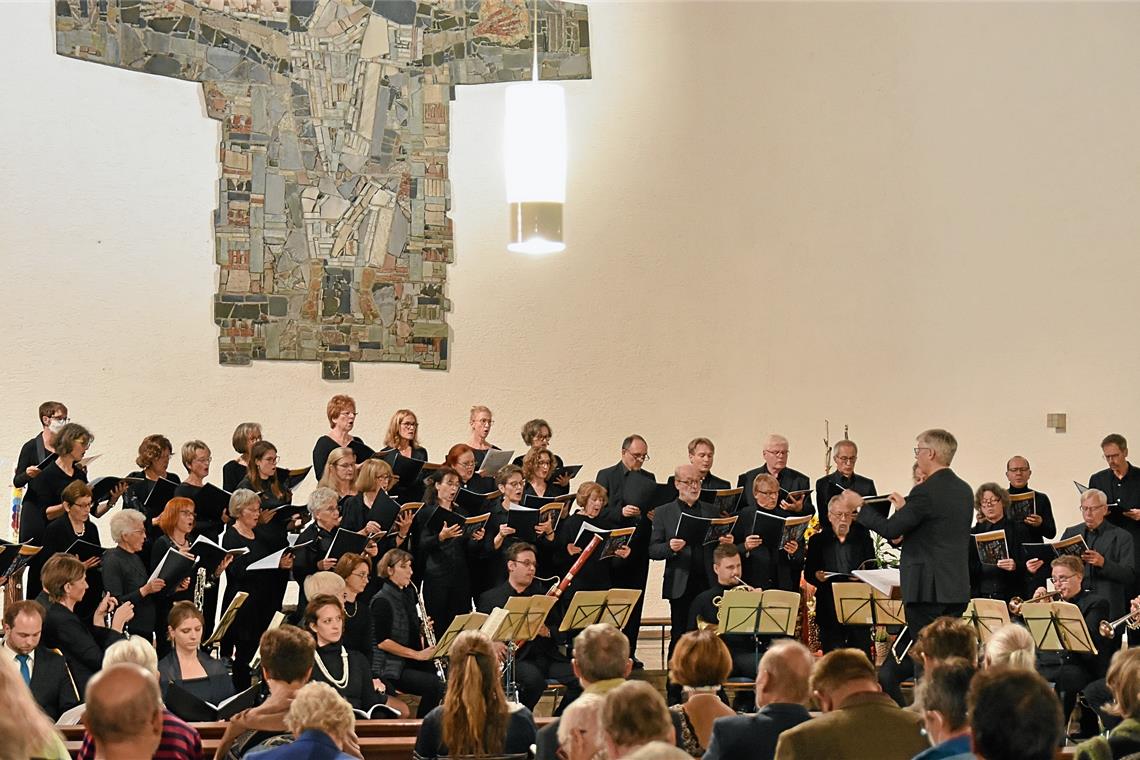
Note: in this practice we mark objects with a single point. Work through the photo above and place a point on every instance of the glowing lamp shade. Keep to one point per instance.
(535, 151)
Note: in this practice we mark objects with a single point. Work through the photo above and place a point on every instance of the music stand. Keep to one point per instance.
(986, 616)
(863, 604)
(516, 624)
(588, 607)
(758, 613)
(227, 619)
(1058, 627)
(471, 621)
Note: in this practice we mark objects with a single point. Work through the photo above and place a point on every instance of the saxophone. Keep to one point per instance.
(428, 633)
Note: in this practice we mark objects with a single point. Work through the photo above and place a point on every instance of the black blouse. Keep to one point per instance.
(44, 491)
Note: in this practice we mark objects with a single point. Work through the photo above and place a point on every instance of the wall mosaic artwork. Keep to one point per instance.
(331, 232)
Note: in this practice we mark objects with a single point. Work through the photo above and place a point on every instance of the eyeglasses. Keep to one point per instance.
(202, 460)
(990, 502)
(1063, 578)
(846, 460)
(410, 424)
(345, 465)
(688, 482)
(1096, 508)
(766, 493)
(777, 452)
(363, 575)
(921, 448)
(81, 505)
(638, 457)
(64, 420)
(270, 460)
(525, 562)
(186, 513)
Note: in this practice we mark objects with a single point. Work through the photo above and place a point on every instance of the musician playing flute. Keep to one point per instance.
(538, 659)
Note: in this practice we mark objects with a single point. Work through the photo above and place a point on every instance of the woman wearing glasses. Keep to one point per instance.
(341, 411)
(997, 565)
(403, 436)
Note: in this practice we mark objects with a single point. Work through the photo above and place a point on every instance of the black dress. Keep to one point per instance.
(214, 688)
(81, 645)
(31, 453)
(211, 529)
(358, 626)
(358, 689)
(414, 490)
(326, 445)
(266, 589)
(232, 473)
(124, 574)
(58, 537)
(44, 491)
(165, 599)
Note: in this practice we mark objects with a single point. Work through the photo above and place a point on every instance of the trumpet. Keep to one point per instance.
(1108, 629)
(1016, 602)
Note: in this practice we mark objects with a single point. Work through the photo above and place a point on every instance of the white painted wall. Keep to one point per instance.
(894, 216)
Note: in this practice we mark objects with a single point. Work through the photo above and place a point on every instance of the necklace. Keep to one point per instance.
(354, 609)
(339, 683)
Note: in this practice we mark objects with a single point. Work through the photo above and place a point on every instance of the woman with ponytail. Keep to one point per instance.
(475, 718)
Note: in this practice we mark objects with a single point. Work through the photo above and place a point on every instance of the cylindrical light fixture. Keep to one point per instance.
(535, 151)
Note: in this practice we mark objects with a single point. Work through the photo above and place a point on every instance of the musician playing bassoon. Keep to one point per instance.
(538, 659)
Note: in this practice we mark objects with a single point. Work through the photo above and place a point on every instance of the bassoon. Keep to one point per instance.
(556, 591)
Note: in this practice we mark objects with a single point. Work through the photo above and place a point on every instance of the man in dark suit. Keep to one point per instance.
(839, 550)
(1120, 482)
(701, 452)
(688, 563)
(791, 481)
(781, 693)
(628, 486)
(935, 519)
(845, 453)
(43, 670)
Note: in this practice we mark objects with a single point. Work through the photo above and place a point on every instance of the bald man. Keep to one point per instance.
(781, 693)
(124, 712)
(688, 569)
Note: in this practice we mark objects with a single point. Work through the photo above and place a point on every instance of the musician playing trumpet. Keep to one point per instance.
(538, 659)
(1070, 671)
(703, 612)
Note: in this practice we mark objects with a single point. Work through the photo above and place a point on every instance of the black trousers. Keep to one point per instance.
(892, 674)
(532, 673)
(1068, 680)
(678, 623)
(422, 680)
(834, 636)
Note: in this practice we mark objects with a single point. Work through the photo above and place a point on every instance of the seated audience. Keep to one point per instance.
(699, 664)
(634, 714)
(944, 638)
(602, 663)
(322, 724)
(943, 696)
(286, 664)
(24, 730)
(41, 669)
(81, 644)
(782, 694)
(1011, 645)
(179, 740)
(1123, 681)
(186, 664)
(578, 733)
(1014, 715)
(475, 717)
(657, 751)
(124, 712)
(857, 715)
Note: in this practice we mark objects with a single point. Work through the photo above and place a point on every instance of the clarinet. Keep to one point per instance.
(200, 588)
(428, 633)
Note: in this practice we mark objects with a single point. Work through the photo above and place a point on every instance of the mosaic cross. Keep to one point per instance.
(331, 231)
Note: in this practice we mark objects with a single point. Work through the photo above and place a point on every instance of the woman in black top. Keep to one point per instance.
(176, 523)
(356, 569)
(245, 436)
(595, 574)
(196, 458)
(374, 508)
(267, 480)
(481, 421)
(344, 669)
(341, 411)
(492, 569)
(538, 465)
(403, 436)
(399, 656)
(999, 579)
(266, 588)
(62, 533)
(186, 664)
(82, 643)
(475, 720)
(53, 416)
(536, 434)
(154, 460)
(125, 574)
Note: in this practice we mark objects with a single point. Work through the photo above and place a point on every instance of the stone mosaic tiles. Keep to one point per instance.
(331, 231)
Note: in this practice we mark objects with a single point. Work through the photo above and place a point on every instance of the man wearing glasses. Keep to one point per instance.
(935, 520)
(845, 453)
(627, 486)
(791, 481)
(1036, 527)
(1070, 672)
(1120, 482)
(1108, 563)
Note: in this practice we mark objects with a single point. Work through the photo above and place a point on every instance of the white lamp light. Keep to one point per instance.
(535, 151)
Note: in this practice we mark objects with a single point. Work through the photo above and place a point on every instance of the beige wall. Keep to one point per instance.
(892, 216)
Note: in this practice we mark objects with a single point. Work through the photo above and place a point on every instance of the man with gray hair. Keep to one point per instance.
(782, 692)
(124, 711)
(795, 488)
(935, 519)
(1120, 482)
(1110, 556)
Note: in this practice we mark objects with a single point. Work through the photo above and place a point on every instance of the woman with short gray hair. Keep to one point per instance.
(125, 574)
(319, 536)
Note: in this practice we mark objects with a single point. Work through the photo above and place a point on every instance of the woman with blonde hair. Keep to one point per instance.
(1123, 681)
(340, 472)
(322, 722)
(1011, 645)
(24, 729)
(475, 718)
(245, 436)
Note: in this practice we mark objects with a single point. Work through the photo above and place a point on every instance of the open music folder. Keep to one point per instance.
(612, 606)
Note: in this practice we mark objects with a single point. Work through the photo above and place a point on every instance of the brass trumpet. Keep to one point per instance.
(1108, 629)
(1016, 602)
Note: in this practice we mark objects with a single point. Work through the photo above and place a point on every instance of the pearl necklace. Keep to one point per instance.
(339, 683)
(355, 609)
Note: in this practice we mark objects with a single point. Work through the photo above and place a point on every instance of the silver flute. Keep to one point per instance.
(428, 633)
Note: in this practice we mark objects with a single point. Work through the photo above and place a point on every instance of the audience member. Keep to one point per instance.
(1011, 645)
(1014, 715)
(699, 664)
(41, 669)
(124, 712)
(24, 730)
(943, 695)
(781, 695)
(857, 716)
(657, 751)
(1123, 681)
(633, 714)
(322, 724)
(286, 664)
(578, 733)
(475, 717)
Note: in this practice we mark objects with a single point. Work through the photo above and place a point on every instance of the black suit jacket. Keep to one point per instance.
(623, 487)
(81, 646)
(678, 565)
(789, 480)
(51, 683)
(936, 522)
(1113, 581)
(819, 558)
(753, 736)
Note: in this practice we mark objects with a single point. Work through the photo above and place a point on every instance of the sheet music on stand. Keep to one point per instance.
(863, 604)
(771, 612)
(471, 621)
(227, 618)
(613, 606)
(986, 616)
(520, 619)
(1058, 627)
